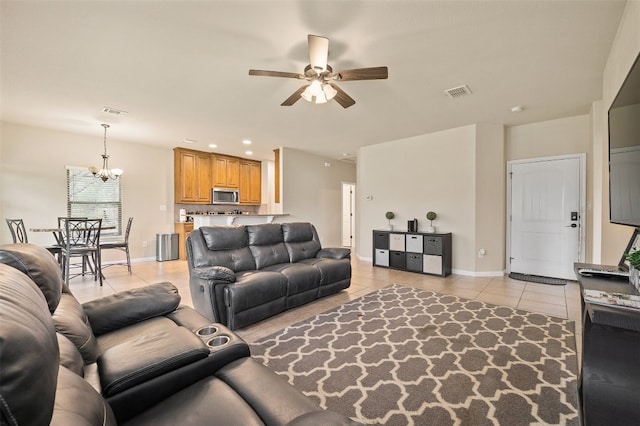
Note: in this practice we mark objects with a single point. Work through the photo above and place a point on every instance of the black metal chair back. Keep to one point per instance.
(119, 245)
(18, 231)
(81, 238)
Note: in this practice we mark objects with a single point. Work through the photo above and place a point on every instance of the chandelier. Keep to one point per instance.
(105, 173)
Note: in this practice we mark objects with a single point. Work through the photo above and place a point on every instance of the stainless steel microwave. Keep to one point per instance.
(225, 196)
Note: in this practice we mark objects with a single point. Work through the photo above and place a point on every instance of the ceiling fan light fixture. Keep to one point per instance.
(329, 91)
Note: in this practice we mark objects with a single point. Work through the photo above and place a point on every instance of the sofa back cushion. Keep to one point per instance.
(301, 240)
(28, 352)
(266, 243)
(226, 246)
(39, 265)
(71, 321)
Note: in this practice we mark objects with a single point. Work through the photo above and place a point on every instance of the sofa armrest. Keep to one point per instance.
(214, 273)
(334, 253)
(129, 307)
(136, 361)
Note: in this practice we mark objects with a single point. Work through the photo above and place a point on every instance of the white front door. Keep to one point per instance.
(546, 216)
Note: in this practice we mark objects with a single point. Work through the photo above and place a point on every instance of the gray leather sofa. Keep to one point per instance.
(136, 358)
(239, 275)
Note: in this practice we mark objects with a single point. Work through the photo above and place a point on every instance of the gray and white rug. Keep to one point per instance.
(402, 356)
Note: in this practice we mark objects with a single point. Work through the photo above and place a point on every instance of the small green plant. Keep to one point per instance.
(389, 216)
(634, 258)
(431, 216)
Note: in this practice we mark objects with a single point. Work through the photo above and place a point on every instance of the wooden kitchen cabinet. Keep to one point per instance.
(250, 182)
(183, 229)
(192, 176)
(226, 172)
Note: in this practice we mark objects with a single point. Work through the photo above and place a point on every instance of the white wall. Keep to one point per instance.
(312, 192)
(33, 181)
(413, 176)
(624, 51)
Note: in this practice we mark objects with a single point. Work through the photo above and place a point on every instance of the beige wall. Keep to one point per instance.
(312, 192)
(548, 138)
(412, 176)
(33, 181)
(624, 51)
(490, 197)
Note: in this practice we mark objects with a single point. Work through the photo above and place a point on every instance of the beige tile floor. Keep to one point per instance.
(559, 301)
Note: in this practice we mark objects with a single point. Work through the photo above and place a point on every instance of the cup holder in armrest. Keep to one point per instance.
(218, 341)
(206, 331)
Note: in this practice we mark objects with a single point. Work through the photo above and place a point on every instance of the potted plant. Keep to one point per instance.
(431, 216)
(634, 270)
(389, 216)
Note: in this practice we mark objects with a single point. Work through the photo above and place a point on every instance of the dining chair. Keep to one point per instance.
(119, 245)
(18, 231)
(81, 239)
(19, 235)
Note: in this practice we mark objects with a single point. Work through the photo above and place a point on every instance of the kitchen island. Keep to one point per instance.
(235, 219)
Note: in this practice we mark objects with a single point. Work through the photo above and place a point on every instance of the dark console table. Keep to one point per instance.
(609, 382)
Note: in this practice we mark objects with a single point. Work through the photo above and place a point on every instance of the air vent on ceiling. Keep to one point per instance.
(459, 91)
(114, 111)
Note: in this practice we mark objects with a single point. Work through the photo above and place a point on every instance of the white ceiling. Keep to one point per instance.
(180, 68)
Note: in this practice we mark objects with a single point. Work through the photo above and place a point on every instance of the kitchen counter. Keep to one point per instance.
(234, 219)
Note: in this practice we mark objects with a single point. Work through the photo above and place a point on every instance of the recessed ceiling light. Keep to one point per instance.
(246, 142)
(189, 141)
(517, 109)
(213, 145)
(249, 152)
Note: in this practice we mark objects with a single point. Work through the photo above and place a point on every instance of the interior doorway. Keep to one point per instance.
(348, 214)
(546, 215)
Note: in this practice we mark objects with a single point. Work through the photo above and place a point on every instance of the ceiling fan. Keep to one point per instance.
(321, 78)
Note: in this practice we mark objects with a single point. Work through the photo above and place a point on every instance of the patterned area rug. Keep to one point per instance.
(401, 356)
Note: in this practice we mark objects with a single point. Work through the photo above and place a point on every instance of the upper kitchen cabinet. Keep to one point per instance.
(226, 172)
(192, 176)
(250, 182)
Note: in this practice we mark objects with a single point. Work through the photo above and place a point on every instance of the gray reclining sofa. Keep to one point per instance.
(135, 357)
(239, 275)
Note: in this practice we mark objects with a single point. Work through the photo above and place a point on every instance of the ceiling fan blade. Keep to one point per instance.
(375, 73)
(294, 98)
(341, 97)
(275, 74)
(318, 52)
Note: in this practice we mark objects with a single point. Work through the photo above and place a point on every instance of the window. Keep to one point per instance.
(88, 196)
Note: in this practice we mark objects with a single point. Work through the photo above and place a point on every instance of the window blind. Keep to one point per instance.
(88, 196)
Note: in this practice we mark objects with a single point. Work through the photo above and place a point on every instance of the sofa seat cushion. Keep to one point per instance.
(148, 356)
(209, 401)
(300, 277)
(253, 288)
(331, 270)
(269, 395)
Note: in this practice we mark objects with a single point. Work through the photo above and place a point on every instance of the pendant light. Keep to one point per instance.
(105, 173)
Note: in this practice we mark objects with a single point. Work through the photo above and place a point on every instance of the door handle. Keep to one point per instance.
(573, 225)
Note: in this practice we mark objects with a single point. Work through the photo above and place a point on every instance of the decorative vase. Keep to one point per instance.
(390, 227)
(634, 277)
(431, 229)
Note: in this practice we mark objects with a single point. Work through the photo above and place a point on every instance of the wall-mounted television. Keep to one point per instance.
(624, 151)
